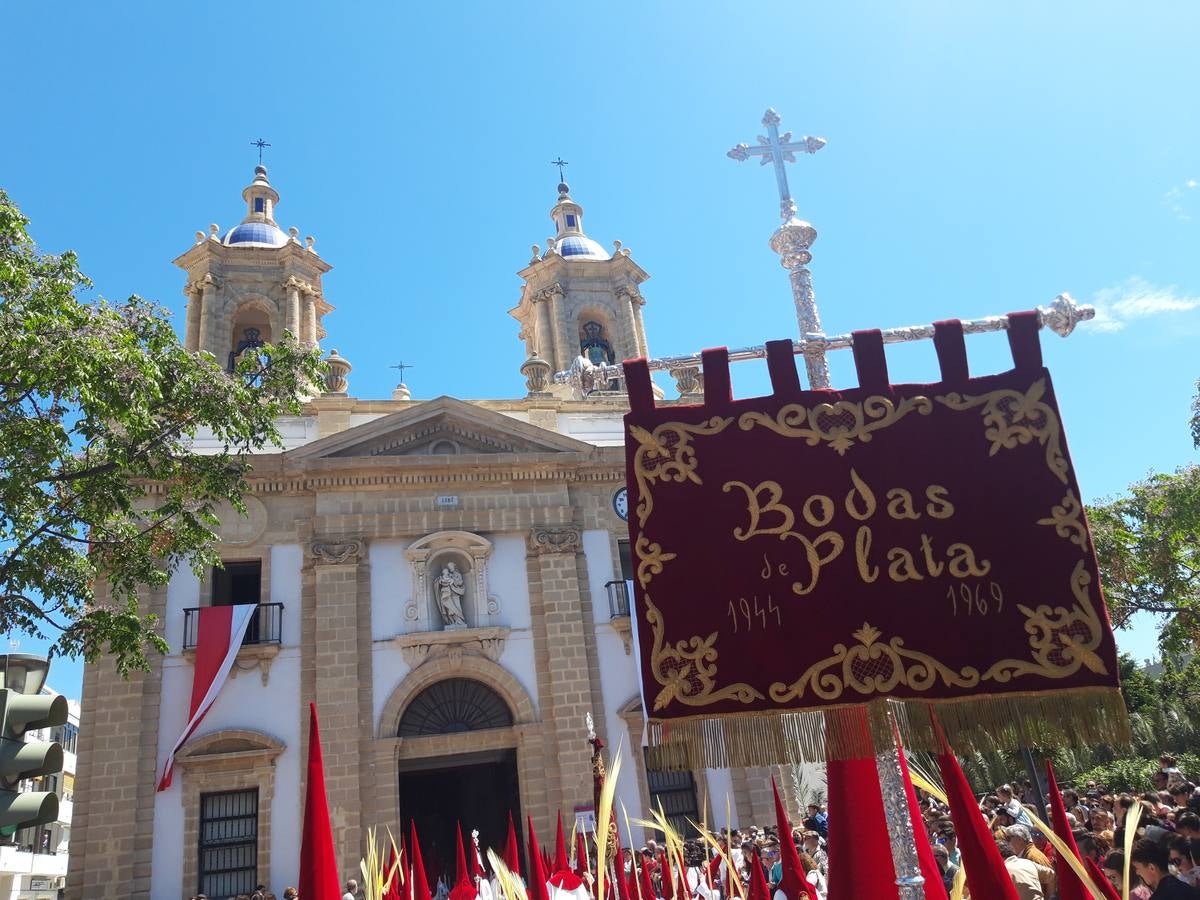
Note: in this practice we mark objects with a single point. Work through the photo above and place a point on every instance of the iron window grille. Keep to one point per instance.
(228, 843)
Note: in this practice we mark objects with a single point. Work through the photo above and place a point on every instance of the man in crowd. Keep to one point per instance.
(1152, 863)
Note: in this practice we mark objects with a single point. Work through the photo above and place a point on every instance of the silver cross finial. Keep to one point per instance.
(778, 148)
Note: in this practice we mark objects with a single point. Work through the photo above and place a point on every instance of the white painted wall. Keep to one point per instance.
(600, 568)
(508, 580)
(602, 429)
(391, 588)
(286, 562)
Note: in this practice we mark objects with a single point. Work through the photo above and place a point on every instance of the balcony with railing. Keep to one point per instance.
(620, 593)
(620, 600)
(261, 643)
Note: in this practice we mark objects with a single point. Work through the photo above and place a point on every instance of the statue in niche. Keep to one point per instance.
(450, 587)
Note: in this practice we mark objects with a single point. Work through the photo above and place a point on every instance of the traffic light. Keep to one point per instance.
(20, 759)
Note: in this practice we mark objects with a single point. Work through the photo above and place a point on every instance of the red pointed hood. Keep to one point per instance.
(420, 884)
(1069, 885)
(987, 878)
(512, 856)
(758, 882)
(665, 877)
(318, 860)
(935, 888)
(644, 875)
(536, 885)
(561, 863)
(793, 883)
(392, 871)
(619, 869)
(582, 865)
(464, 887)
(1110, 892)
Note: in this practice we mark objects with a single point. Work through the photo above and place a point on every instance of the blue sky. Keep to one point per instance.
(981, 159)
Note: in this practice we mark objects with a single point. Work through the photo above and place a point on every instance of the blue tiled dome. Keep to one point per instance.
(255, 234)
(579, 246)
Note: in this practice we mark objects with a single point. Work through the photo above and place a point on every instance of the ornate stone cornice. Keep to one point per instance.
(555, 539)
(337, 551)
(209, 280)
(546, 293)
(630, 293)
(422, 646)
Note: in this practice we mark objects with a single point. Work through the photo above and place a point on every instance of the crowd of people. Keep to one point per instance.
(1164, 863)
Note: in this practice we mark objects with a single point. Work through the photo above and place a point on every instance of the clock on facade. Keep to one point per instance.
(620, 502)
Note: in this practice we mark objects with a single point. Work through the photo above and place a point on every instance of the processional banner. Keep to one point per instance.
(815, 551)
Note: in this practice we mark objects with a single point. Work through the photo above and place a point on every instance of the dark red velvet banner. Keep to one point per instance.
(813, 550)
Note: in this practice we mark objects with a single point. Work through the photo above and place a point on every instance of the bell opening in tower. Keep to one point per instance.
(478, 790)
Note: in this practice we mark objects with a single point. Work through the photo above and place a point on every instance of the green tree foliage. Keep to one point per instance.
(1149, 552)
(98, 484)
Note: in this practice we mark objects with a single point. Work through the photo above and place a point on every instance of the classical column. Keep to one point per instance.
(636, 302)
(191, 332)
(629, 347)
(336, 652)
(209, 316)
(563, 354)
(308, 330)
(564, 683)
(291, 313)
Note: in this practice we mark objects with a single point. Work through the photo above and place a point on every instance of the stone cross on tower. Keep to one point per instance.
(793, 238)
(261, 145)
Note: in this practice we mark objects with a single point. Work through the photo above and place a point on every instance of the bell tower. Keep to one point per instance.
(577, 299)
(253, 283)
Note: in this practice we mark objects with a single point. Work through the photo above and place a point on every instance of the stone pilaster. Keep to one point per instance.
(564, 678)
(308, 328)
(209, 317)
(337, 562)
(291, 317)
(191, 331)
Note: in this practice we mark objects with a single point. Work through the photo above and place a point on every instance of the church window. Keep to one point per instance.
(228, 843)
(453, 706)
(260, 204)
(570, 221)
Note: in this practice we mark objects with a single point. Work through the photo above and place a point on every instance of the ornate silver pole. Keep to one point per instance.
(1061, 317)
(909, 880)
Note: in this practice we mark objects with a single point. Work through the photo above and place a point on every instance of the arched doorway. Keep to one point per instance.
(476, 787)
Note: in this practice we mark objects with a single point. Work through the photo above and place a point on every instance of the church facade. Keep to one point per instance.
(448, 581)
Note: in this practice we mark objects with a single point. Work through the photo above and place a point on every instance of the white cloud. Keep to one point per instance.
(1177, 199)
(1136, 298)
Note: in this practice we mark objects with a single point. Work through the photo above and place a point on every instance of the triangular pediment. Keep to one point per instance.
(441, 427)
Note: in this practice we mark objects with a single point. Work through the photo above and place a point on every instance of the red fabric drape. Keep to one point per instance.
(536, 885)
(935, 888)
(318, 862)
(1069, 885)
(420, 883)
(793, 883)
(512, 855)
(987, 879)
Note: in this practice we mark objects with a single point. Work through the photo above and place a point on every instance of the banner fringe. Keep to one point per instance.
(1068, 718)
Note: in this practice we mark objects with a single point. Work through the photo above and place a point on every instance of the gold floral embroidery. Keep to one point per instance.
(872, 667)
(687, 669)
(650, 560)
(1013, 418)
(1067, 520)
(839, 424)
(667, 454)
(1062, 640)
